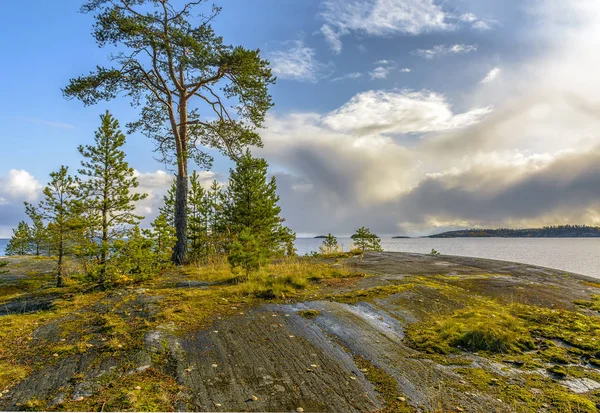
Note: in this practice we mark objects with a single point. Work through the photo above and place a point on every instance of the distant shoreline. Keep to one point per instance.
(562, 231)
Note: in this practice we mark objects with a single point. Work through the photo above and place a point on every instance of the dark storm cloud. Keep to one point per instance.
(567, 187)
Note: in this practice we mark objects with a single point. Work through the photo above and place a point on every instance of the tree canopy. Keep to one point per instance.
(194, 90)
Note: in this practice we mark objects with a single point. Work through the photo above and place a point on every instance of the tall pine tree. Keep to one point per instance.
(107, 191)
(60, 208)
(253, 205)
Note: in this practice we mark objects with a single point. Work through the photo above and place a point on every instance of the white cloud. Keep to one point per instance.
(381, 18)
(390, 17)
(492, 75)
(484, 25)
(444, 50)
(353, 76)
(406, 70)
(532, 161)
(399, 112)
(384, 62)
(332, 38)
(19, 185)
(16, 187)
(297, 63)
(380, 72)
(468, 18)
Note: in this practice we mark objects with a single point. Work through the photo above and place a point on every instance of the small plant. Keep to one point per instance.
(246, 253)
(330, 245)
(434, 252)
(365, 240)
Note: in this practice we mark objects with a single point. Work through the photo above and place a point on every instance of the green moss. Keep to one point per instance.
(309, 314)
(369, 294)
(157, 392)
(530, 393)
(593, 304)
(488, 329)
(386, 386)
(558, 371)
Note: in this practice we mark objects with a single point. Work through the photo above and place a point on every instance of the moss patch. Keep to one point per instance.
(309, 314)
(386, 386)
(593, 304)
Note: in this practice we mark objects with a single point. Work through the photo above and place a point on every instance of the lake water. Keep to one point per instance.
(3, 244)
(578, 255)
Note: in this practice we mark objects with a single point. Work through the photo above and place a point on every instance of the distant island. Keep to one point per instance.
(561, 231)
(400, 237)
(320, 236)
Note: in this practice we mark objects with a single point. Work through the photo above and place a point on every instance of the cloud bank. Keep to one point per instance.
(522, 148)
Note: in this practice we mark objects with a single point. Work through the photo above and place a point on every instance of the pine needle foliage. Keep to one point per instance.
(253, 205)
(365, 240)
(59, 207)
(38, 233)
(19, 243)
(330, 245)
(195, 91)
(107, 191)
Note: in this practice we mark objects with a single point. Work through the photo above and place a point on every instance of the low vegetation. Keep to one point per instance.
(114, 321)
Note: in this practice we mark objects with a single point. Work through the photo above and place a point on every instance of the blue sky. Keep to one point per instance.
(385, 110)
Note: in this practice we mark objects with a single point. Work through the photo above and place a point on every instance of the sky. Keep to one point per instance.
(411, 117)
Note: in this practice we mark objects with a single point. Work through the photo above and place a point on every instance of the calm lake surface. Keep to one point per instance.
(578, 255)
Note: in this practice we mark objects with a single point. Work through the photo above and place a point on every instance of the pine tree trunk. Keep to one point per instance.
(59, 276)
(104, 245)
(180, 250)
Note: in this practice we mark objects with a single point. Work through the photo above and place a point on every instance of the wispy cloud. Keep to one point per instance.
(332, 38)
(52, 124)
(380, 18)
(477, 23)
(406, 70)
(380, 72)
(349, 76)
(444, 50)
(492, 75)
(391, 17)
(297, 63)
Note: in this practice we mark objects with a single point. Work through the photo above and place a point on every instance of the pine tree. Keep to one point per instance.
(19, 243)
(365, 240)
(197, 218)
(163, 235)
(218, 229)
(168, 208)
(330, 245)
(38, 232)
(107, 191)
(252, 205)
(246, 252)
(170, 61)
(60, 208)
(133, 257)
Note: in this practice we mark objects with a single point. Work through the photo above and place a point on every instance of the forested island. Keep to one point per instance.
(560, 231)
